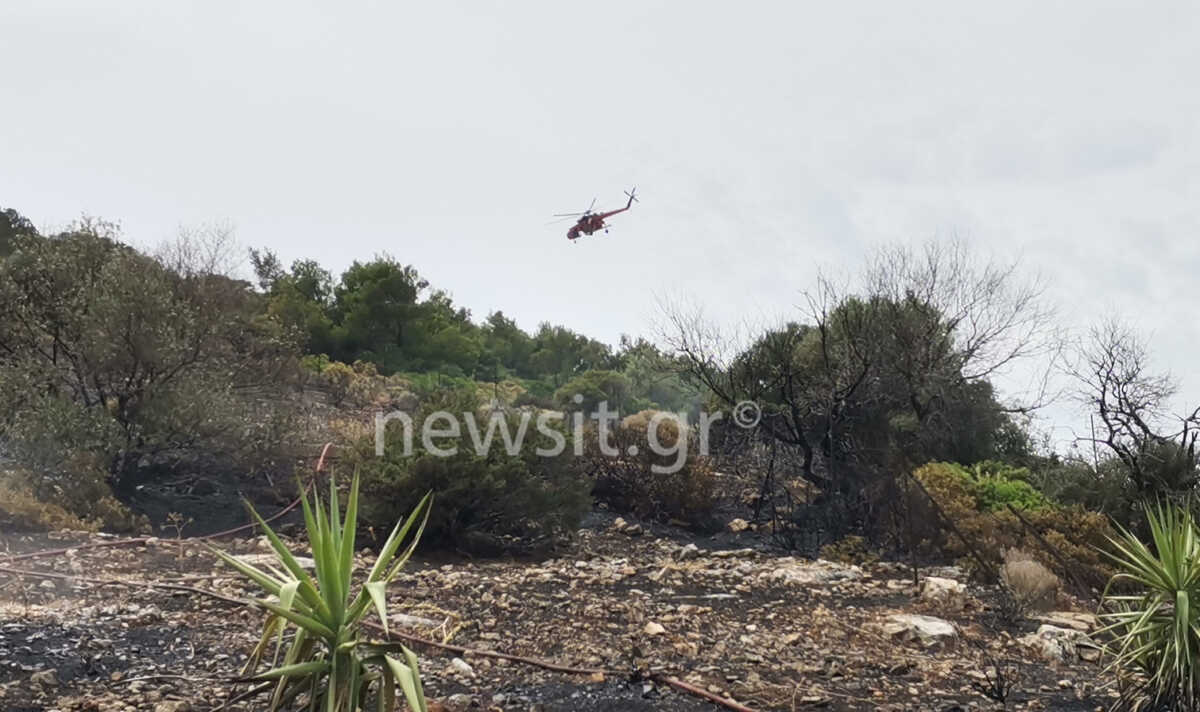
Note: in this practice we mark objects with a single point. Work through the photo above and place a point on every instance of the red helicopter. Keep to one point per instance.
(590, 222)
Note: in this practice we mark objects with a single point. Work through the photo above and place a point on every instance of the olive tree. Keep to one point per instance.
(131, 358)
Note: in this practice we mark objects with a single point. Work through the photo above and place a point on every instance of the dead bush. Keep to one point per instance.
(21, 510)
(80, 501)
(1025, 586)
(852, 549)
(649, 467)
(1077, 535)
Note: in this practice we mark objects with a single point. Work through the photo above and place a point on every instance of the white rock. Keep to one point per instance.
(1056, 644)
(929, 631)
(734, 554)
(653, 628)
(1069, 619)
(947, 593)
(739, 525)
(461, 667)
(45, 678)
(813, 572)
(414, 621)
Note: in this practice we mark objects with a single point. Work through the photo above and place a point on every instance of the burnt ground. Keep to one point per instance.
(770, 631)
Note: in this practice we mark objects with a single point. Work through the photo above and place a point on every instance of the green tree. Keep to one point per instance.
(586, 391)
(560, 353)
(376, 307)
(509, 344)
(655, 380)
(115, 354)
(12, 226)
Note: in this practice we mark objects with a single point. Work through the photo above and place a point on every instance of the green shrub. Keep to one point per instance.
(591, 388)
(315, 363)
(529, 399)
(482, 498)
(996, 492)
(1076, 534)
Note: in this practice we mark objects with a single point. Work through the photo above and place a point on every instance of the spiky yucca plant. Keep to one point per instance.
(1156, 630)
(328, 658)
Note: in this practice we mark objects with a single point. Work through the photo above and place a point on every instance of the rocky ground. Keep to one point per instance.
(726, 615)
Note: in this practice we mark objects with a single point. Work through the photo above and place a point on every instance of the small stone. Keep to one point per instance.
(459, 702)
(1082, 622)
(653, 628)
(596, 677)
(738, 525)
(1087, 653)
(48, 585)
(1057, 644)
(44, 678)
(173, 706)
(946, 593)
(414, 621)
(461, 667)
(686, 553)
(929, 631)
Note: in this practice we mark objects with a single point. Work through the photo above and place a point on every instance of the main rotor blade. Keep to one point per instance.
(568, 215)
(593, 205)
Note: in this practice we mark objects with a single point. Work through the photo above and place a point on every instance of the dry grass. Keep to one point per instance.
(21, 509)
(1026, 586)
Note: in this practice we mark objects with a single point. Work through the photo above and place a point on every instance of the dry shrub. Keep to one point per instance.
(1025, 586)
(639, 480)
(1077, 535)
(338, 378)
(504, 392)
(358, 385)
(80, 501)
(849, 550)
(21, 510)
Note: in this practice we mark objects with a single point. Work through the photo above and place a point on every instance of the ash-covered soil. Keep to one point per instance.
(771, 631)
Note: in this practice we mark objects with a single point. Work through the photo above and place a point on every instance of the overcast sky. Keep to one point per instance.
(767, 140)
